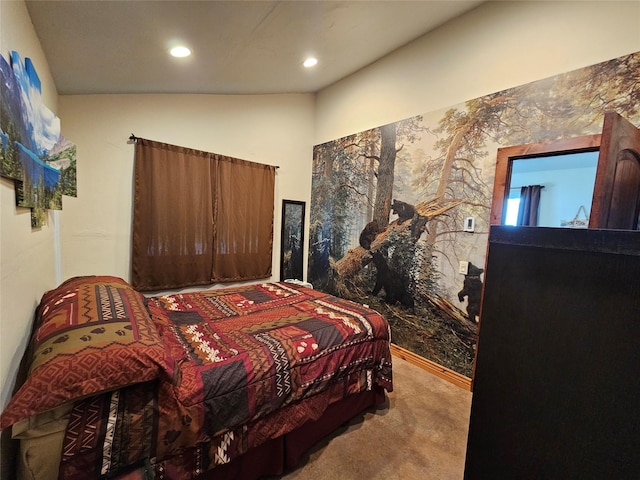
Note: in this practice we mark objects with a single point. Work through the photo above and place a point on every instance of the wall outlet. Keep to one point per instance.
(463, 268)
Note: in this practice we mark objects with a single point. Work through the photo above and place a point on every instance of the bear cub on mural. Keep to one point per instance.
(395, 288)
(369, 233)
(405, 211)
(472, 289)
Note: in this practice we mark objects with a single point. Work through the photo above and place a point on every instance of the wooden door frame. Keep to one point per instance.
(620, 140)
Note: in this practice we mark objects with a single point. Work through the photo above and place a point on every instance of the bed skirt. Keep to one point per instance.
(274, 457)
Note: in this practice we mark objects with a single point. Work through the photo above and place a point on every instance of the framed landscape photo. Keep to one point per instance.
(292, 240)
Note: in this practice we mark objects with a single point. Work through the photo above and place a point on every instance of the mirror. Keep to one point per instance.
(616, 193)
(567, 182)
(566, 168)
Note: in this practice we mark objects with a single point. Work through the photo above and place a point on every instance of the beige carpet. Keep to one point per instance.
(421, 434)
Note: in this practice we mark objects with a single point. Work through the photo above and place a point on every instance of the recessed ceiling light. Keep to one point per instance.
(180, 51)
(310, 62)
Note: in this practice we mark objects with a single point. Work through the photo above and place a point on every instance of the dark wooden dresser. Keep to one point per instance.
(556, 388)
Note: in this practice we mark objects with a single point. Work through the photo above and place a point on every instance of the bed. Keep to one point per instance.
(234, 383)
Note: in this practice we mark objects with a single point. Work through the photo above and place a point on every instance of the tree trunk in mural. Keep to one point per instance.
(386, 166)
(327, 159)
(371, 181)
(445, 173)
(449, 159)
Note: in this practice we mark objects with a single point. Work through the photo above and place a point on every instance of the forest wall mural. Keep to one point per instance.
(41, 162)
(388, 205)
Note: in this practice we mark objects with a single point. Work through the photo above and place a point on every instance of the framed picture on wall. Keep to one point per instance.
(292, 240)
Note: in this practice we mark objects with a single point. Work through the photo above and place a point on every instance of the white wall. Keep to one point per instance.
(96, 227)
(495, 46)
(27, 260)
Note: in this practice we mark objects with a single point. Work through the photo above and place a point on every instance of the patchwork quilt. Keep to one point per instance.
(242, 365)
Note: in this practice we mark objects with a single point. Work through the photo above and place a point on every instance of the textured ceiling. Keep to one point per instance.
(239, 47)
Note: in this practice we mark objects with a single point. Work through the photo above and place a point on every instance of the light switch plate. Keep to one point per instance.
(469, 224)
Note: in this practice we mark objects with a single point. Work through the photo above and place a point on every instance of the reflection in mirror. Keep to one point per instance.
(567, 181)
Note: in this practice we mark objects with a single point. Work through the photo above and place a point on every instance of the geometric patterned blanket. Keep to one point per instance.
(244, 365)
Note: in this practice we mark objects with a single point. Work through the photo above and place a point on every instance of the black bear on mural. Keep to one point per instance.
(472, 289)
(395, 288)
(369, 233)
(404, 211)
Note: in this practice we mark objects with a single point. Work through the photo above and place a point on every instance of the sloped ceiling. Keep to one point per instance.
(239, 47)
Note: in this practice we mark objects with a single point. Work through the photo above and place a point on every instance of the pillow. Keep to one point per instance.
(42, 424)
(91, 334)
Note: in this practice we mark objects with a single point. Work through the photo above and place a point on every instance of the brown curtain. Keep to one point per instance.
(180, 195)
(243, 230)
(529, 205)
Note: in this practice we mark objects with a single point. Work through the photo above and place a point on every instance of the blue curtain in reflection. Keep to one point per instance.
(529, 204)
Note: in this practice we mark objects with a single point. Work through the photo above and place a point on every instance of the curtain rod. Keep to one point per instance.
(133, 138)
(518, 188)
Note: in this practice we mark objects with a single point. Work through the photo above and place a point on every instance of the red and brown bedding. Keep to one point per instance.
(212, 374)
